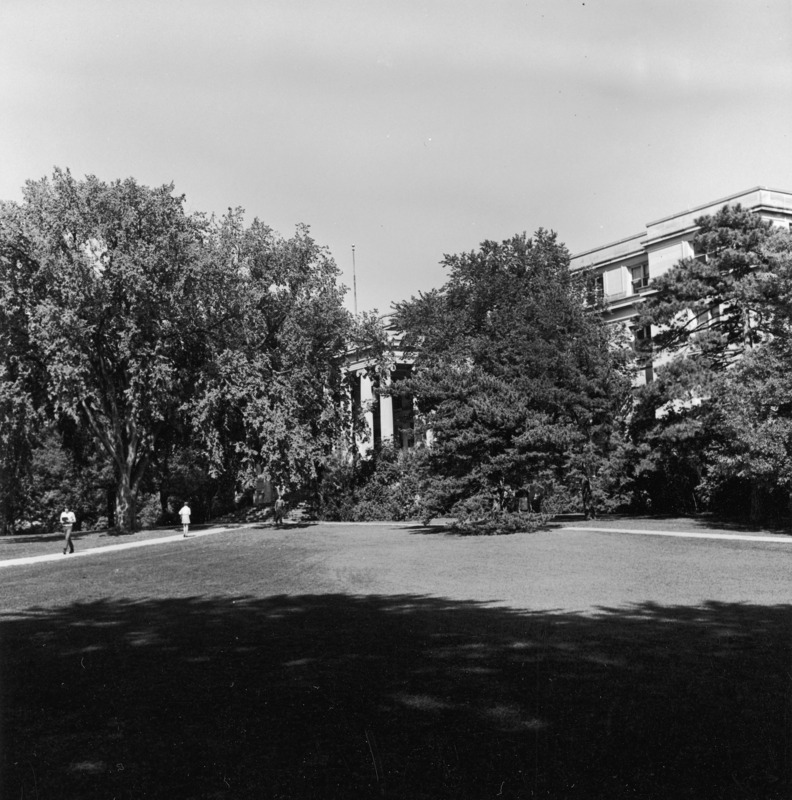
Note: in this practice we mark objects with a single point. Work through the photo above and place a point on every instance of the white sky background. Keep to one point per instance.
(409, 128)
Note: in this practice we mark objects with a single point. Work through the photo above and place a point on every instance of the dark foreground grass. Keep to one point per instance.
(340, 696)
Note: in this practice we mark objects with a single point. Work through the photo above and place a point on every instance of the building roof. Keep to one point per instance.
(775, 203)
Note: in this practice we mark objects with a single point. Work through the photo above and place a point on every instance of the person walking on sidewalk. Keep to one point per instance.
(184, 513)
(68, 519)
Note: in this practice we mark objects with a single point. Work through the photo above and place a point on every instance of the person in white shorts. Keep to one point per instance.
(184, 513)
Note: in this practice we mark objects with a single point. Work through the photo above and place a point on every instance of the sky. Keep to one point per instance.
(408, 129)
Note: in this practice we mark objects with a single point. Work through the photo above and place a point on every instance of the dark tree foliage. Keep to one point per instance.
(515, 374)
(22, 399)
(152, 330)
(270, 396)
(102, 275)
(714, 426)
(722, 299)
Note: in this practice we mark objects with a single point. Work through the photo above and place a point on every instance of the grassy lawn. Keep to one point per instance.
(356, 662)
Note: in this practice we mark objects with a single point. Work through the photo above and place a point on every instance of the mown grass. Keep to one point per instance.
(203, 672)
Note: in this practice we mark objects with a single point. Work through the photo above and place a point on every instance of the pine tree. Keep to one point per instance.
(514, 375)
(717, 416)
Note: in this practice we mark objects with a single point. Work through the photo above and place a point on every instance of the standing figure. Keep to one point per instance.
(184, 513)
(280, 507)
(68, 519)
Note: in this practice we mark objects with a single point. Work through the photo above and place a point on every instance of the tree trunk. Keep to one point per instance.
(789, 506)
(110, 499)
(125, 503)
(225, 493)
(757, 504)
(163, 498)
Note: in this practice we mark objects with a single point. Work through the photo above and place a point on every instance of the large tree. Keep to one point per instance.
(752, 441)
(270, 397)
(105, 281)
(154, 330)
(515, 375)
(718, 414)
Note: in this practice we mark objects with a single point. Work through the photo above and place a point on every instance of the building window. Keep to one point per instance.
(640, 277)
(595, 289)
(614, 283)
(704, 256)
(642, 344)
(698, 254)
(703, 321)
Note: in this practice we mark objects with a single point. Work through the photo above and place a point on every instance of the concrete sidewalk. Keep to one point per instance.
(111, 548)
(778, 538)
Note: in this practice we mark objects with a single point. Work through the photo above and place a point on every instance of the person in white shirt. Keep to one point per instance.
(184, 513)
(280, 507)
(68, 519)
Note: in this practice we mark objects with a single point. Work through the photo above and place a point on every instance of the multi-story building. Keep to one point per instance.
(622, 270)
(389, 418)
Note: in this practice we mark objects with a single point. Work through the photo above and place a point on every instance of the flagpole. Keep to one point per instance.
(354, 280)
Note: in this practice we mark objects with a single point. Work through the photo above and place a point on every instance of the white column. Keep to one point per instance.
(386, 416)
(366, 403)
(429, 435)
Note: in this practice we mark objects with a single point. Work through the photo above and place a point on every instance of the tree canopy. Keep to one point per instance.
(136, 320)
(144, 349)
(727, 297)
(718, 415)
(270, 395)
(515, 375)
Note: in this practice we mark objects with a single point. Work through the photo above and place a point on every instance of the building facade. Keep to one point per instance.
(622, 270)
(389, 417)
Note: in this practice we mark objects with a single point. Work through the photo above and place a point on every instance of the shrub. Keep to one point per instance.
(386, 486)
(148, 511)
(498, 523)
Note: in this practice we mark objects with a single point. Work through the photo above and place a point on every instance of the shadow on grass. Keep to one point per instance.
(283, 526)
(23, 538)
(722, 523)
(430, 530)
(337, 696)
(701, 521)
(58, 536)
(449, 529)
